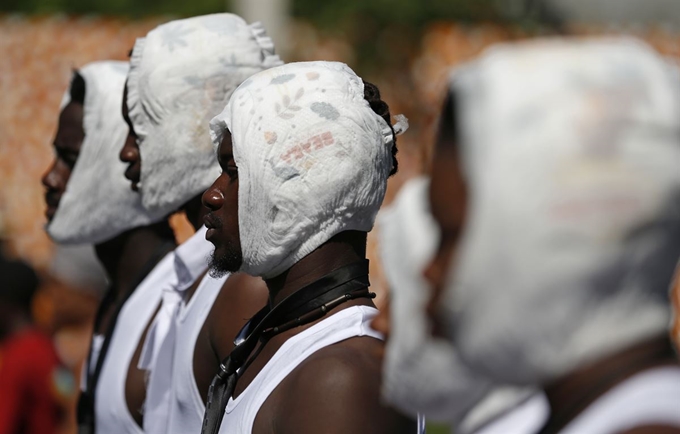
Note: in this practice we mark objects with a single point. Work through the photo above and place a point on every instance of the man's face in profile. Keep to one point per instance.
(130, 152)
(67, 143)
(221, 198)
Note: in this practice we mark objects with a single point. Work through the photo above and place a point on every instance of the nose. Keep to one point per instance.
(130, 151)
(212, 198)
(51, 179)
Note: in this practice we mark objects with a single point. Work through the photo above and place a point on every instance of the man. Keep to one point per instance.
(305, 161)
(89, 202)
(422, 373)
(181, 75)
(572, 232)
(35, 388)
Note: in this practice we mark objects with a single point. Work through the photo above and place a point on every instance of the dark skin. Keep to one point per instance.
(239, 299)
(337, 389)
(573, 391)
(124, 257)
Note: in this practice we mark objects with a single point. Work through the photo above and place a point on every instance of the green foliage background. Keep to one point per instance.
(328, 13)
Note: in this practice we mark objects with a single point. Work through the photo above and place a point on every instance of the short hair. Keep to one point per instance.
(77, 88)
(380, 107)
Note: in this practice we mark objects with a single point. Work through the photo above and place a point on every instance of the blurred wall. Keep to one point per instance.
(39, 54)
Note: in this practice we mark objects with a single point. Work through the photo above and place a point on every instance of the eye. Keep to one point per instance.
(232, 172)
(69, 158)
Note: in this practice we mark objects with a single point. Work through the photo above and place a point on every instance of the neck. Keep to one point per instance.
(125, 256)
(343, 249)
(195, 211)
(575, 391)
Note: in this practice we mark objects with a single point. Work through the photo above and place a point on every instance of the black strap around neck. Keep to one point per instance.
(302, 307)
(85, 409)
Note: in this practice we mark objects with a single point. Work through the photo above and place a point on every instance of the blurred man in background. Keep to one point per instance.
(181, 75)
(422, 372)
(90, 203)
(569, 152)
(35, 388)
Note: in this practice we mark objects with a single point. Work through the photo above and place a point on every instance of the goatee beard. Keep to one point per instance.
(228, 262)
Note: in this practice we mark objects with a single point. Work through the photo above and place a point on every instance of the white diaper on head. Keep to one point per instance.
(421, 373)
(98, 203)
(313, 160)
(181, 75)
(573, 229)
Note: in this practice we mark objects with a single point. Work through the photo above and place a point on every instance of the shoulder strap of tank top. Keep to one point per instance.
(302, 307)
(560, 419)
(86, 401)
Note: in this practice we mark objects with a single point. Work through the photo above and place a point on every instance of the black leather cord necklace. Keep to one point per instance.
(302, 307)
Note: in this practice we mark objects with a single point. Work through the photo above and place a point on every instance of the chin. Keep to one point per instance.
(225, 261)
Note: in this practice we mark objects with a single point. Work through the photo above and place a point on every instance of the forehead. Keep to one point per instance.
(70, 128)
(226, 145)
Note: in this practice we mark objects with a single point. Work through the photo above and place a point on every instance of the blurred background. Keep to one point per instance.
(406, 47)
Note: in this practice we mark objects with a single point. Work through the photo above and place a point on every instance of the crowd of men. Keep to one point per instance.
(529, 270)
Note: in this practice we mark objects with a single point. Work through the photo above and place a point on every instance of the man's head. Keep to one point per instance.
(304, 156)
(69, 137)
(570, 151)
(181, 75)
(88, 199)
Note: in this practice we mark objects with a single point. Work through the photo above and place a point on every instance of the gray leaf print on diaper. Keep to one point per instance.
(325, 110)
(282, 78)
(174, 36)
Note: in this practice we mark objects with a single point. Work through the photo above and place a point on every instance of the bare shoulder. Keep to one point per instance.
(239, 299)
(337, 390)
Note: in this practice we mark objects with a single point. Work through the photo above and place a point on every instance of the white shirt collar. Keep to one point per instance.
(191, 259)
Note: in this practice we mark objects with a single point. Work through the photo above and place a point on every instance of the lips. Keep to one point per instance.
(212, 224)
(132, 174)
(52, 200)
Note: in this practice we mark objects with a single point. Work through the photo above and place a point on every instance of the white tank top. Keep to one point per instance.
(651, 397)
(354, 321)
(526, 417)
(111, 412)
(186, 405)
